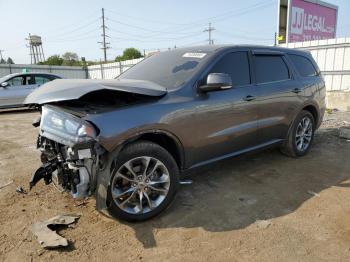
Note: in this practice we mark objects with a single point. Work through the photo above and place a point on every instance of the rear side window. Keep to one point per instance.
(236, 65)
(303, 65)
(270, 69)
(41, 80)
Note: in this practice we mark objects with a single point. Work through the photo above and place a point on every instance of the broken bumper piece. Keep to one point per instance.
(43, 172)
(49, 238)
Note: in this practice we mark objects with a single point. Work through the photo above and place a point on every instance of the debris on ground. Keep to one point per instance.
(185, 182)
(313, 193)
(332, 110)
(20, 190)
(5, 185)
(49, 238)
(263, 224)
(344, 132)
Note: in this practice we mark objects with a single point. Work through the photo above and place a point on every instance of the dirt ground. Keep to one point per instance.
(259, 207)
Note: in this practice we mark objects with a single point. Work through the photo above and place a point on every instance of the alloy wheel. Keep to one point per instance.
(303, 134)
(140, 185)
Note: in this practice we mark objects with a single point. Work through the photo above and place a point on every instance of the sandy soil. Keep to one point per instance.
(305, 201)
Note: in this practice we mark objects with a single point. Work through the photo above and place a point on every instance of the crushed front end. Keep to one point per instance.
(69, 152)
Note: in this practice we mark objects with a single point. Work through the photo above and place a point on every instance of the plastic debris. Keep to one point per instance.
(313, 193)
(185, 182)
(20, 190)
(49, 238)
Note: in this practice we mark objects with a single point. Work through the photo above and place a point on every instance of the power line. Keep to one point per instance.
(209, 30)
(245, 37)
(75, 36)
(198, 23)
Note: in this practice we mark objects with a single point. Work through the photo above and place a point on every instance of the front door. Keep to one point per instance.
(226, 121)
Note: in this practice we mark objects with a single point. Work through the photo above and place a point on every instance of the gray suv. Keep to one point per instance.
(128, 140)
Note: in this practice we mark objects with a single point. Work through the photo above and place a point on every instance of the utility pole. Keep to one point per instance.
(104, 43)
(209, 30)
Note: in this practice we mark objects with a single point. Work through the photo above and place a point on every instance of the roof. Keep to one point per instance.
(28, 73)
(216, 48)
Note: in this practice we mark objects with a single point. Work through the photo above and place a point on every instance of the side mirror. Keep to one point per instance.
(4, 84)
(216, 82)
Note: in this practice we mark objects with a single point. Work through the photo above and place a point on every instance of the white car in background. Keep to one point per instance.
(14, 88)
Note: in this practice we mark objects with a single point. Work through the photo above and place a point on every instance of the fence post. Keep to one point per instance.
(101, 68)
(120, 68)
(10, 68)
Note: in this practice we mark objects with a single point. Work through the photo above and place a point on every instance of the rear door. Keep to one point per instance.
(280, 95)
(42, 79)
(226, 120)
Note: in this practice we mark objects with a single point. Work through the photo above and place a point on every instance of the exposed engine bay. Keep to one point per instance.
(72, 169)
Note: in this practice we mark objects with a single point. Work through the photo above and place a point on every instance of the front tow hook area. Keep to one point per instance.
(43, 172)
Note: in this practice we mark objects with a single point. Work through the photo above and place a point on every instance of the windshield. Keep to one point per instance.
(169, 69)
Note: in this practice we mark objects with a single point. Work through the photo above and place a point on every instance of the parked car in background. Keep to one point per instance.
(129, 139)
(14, 88)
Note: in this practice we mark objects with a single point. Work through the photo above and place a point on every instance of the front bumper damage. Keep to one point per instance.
(82, 168)
(72, 168)
(71, 156)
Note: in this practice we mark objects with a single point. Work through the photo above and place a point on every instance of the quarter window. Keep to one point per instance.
(303, 65)
(270, 69)
(236, 65)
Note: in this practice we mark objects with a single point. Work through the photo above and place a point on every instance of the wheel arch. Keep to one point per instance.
(313, 110)
(164, 139)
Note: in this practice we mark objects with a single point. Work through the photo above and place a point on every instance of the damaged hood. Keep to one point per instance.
(65, 89)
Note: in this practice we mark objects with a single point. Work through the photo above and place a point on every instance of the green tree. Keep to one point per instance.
(53, 60)
(129, 53)
(9, 61)
(2, 61)
(71, 59)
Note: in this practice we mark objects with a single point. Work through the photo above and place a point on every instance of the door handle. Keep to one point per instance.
(296, 90)
(249, 98)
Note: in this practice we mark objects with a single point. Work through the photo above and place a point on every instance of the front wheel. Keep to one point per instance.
(301, 135)
(144, 180)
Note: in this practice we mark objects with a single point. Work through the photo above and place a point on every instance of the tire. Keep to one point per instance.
(158, 185)
(291, 147)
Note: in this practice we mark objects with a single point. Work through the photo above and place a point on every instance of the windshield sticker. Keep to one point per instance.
(194, 55)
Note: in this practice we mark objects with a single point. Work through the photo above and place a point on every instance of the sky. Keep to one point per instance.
(75, 25)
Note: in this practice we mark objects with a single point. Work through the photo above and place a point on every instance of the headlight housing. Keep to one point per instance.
(65, 128)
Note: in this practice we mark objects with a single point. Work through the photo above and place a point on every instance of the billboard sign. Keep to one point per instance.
(308, 20)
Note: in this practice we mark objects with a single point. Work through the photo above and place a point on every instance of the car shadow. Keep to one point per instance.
(235, 193)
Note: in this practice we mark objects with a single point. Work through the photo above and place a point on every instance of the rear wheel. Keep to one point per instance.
(301, 135)
(144, 180)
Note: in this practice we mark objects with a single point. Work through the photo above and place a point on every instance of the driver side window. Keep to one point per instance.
(17, 81)
(236, 65)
